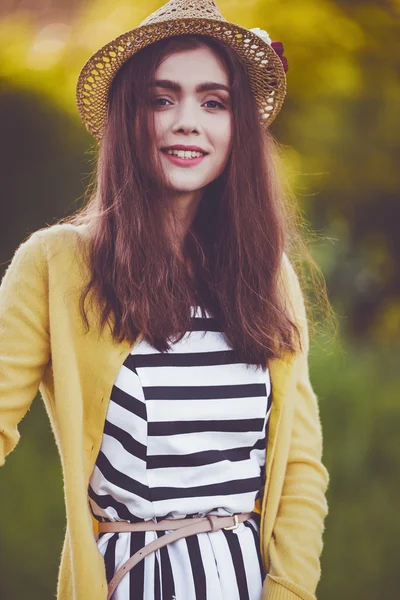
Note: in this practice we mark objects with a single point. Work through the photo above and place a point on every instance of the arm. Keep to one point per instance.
(24, 337)
(296, 542)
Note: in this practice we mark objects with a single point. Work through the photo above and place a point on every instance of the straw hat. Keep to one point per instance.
(265, 68)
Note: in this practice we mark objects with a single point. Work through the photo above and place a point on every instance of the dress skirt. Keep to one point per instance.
(185, 435)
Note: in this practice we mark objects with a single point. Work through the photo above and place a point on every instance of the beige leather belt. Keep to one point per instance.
(181, 528)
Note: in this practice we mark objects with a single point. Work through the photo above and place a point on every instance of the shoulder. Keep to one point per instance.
(61, 237)
(56, 236)
(56, 243)
(52, 244)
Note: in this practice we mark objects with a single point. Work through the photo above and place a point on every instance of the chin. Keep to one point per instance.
(187, 188)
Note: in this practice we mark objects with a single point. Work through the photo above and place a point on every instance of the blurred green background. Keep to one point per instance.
(340, 133)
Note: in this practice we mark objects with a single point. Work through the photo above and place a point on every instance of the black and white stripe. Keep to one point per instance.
(185, 435)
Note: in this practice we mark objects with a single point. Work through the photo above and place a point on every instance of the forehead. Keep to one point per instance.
(191, 66)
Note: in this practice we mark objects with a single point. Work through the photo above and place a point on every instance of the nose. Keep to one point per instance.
(186, 120)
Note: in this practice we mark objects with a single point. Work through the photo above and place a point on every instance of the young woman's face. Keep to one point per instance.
(188, 115)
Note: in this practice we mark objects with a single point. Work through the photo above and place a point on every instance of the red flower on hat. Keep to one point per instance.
(279, 49)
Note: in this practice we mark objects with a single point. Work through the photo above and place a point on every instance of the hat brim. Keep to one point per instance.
(266, 73)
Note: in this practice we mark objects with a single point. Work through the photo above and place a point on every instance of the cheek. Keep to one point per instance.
(223, 146)
(161, 125)
(222, 134)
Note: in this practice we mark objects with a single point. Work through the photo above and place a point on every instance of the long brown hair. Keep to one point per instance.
(234, 244)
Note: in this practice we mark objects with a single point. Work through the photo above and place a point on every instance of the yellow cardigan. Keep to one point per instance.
(43, 346)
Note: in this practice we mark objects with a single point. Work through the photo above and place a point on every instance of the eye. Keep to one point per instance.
(158, 100)
(216, 102)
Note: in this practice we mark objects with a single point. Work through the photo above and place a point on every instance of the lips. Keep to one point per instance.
(185, 149)
(184, 162)
(175, 152)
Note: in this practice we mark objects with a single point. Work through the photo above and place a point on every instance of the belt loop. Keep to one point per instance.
(213, 521)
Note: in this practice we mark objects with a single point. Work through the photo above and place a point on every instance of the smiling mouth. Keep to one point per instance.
(185, 154)
(183, 161)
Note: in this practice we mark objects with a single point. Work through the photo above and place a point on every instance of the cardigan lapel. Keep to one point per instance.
(280, 373)
(110, 356)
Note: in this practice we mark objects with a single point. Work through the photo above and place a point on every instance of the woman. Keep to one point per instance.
(165, 328)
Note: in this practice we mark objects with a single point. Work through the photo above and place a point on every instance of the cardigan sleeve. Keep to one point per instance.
(296, 543)
(24, 337)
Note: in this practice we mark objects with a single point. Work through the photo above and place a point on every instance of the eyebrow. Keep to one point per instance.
(206, 86)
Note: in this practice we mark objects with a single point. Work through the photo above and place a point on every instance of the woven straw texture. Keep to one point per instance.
(179, 17)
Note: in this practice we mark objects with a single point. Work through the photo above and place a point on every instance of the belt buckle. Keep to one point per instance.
(235, 518)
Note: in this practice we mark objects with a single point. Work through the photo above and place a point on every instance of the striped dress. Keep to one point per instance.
(184, 436)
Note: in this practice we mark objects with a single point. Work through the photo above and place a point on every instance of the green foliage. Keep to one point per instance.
(358, 389)
(32, 512)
